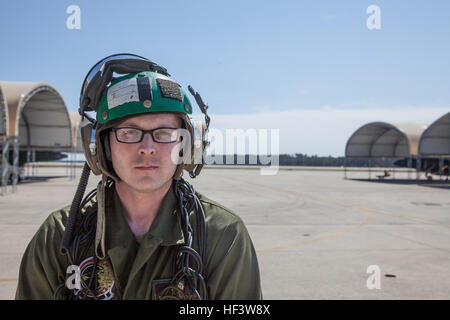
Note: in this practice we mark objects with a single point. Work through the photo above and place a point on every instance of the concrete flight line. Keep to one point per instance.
(364, 210)
(329, 236)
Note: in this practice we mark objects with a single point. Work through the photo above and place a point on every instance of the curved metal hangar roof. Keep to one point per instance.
(36, 113)
(382, 139)
(435, 140)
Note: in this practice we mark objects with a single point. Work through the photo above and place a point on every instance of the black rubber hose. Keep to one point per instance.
(74, 208)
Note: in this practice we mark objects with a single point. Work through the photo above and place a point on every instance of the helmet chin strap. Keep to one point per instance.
(100, 229)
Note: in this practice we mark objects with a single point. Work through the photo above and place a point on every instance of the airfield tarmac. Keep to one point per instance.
(315, 233)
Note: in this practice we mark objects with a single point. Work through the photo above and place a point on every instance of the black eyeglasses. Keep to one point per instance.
(135, 135)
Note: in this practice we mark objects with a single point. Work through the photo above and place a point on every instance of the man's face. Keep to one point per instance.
(145, 166)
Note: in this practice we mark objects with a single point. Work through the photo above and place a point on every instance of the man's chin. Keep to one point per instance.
(147, 185)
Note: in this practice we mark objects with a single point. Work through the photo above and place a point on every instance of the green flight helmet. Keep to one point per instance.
(140, 93)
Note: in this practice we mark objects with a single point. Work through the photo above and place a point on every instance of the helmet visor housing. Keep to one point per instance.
(100, 75)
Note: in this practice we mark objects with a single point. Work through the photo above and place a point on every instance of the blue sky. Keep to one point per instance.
(252, 57)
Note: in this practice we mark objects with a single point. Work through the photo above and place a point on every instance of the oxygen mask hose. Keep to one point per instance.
(74, 209)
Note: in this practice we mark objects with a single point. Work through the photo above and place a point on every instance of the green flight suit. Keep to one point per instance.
(134, 264)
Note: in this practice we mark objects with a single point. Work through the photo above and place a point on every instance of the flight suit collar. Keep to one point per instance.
(166, 226)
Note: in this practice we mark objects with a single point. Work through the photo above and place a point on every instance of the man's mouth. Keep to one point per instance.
(146, 168)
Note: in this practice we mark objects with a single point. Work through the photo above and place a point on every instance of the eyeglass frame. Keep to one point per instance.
(143, 133)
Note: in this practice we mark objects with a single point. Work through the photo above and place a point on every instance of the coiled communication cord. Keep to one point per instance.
(188, 282)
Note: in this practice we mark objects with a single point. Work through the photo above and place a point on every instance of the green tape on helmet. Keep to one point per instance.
(139, 93)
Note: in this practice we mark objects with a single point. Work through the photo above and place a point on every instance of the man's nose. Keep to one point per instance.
(147, 145)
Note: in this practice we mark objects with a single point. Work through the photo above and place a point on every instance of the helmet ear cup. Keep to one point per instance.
(107, 146)
(90, 148)
(198, 145)
(104, 153)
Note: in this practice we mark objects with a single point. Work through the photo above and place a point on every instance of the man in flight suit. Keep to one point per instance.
(144, 233)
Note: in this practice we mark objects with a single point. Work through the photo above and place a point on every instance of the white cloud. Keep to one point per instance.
(261, 109)
(322, 131)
